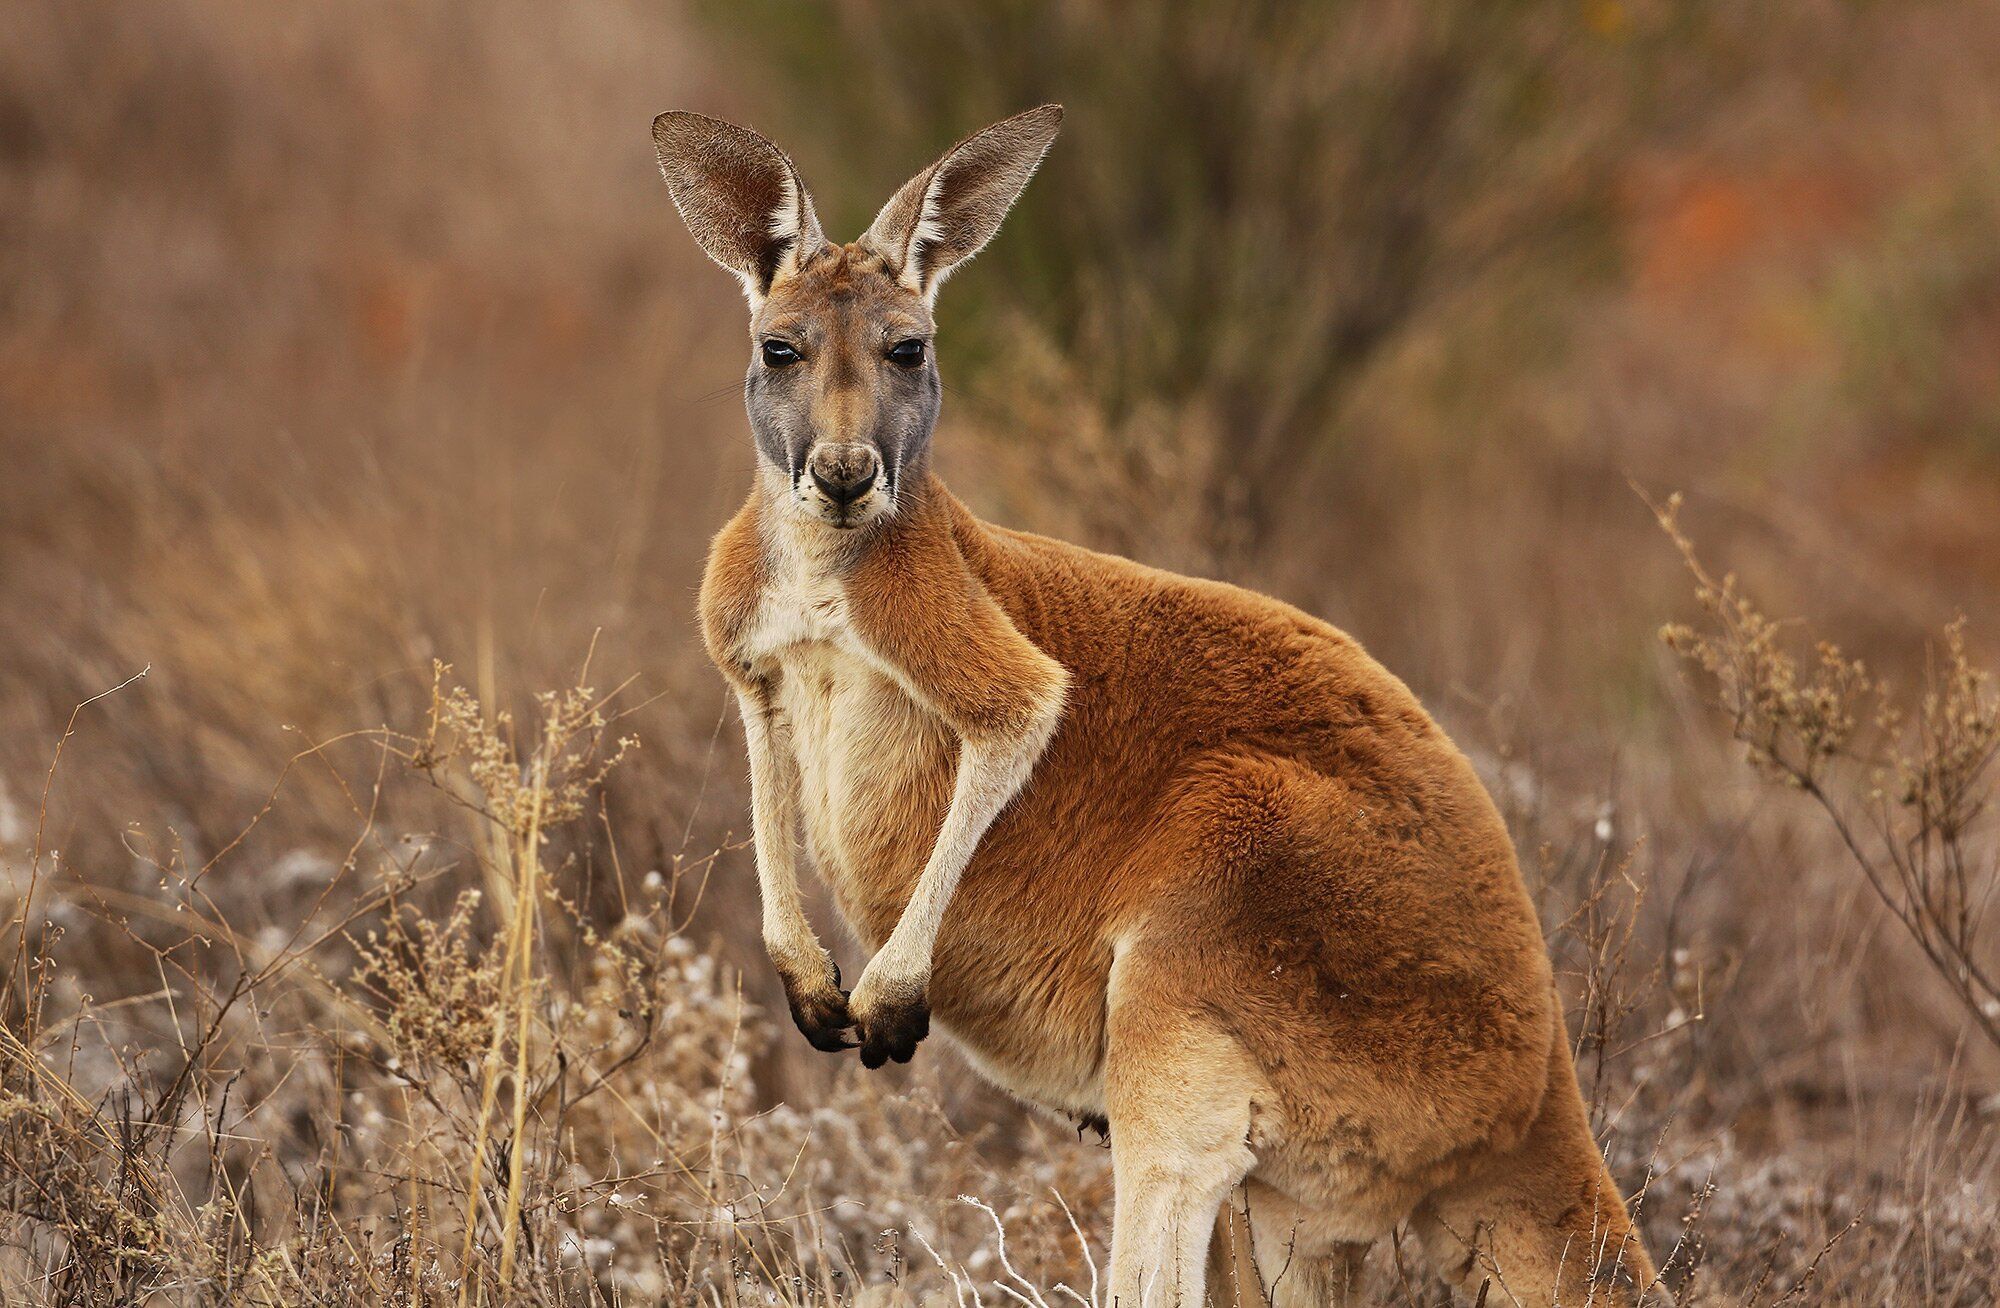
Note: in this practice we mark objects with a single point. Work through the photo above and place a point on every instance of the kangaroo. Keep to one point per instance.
(1155, 852)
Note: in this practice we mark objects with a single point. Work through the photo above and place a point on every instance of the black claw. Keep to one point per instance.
(828, 1044)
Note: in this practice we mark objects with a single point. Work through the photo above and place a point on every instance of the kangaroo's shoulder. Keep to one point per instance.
(918, 603)
(732, 589)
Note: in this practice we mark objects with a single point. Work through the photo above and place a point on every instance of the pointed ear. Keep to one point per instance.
(739, 195)
(948, 212)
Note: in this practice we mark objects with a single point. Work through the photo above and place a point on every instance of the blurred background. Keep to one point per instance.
(338, 339)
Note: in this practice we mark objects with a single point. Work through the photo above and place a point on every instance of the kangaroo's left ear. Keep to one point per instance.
(949, 211)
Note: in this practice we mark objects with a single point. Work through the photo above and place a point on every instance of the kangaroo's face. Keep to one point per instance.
(843, 387)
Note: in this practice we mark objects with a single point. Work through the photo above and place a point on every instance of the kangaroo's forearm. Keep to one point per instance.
(891, 1005)
(774, 821)
(812, 981)
(991, 773)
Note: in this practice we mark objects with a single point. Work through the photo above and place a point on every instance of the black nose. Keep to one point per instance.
(845, 480)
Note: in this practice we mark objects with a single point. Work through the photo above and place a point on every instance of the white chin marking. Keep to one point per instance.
(820, 509)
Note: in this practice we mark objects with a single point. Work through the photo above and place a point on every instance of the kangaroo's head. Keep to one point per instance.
(843, 385)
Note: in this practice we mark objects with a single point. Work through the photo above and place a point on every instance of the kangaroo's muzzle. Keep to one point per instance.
(844, 477)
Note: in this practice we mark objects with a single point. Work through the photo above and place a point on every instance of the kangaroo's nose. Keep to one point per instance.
(844, 473)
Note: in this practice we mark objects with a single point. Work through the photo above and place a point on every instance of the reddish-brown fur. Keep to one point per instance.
(1239, 895)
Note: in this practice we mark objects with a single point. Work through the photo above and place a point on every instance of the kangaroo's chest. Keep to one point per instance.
(876, 771)
(875, 767)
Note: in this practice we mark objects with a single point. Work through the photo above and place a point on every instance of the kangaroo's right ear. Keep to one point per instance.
(739, 195)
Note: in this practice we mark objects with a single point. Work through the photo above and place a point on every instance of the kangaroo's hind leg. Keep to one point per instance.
(1543, 1223)
(1180, 1095)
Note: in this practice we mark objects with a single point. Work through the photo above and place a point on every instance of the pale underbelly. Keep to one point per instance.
(1058, 1075)
(875, 775)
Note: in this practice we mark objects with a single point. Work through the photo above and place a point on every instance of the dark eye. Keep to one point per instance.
(778, 354)
(909, 352)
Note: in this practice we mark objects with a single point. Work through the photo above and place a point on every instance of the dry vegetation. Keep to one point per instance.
(336, 341)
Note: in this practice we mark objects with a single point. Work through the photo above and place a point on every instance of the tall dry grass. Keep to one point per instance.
(451, 1083)
(336, 342)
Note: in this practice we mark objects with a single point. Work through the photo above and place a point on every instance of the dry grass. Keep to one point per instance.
(431, 1093)
(1907, 799)
(335, 342)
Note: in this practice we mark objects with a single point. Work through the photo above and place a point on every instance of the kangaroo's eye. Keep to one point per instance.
(909, 352)
(777, 354)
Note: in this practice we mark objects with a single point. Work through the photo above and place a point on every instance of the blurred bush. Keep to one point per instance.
(1251, 202)
(1352, 299)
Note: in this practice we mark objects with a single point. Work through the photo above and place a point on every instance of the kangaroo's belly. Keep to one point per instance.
(875, 776)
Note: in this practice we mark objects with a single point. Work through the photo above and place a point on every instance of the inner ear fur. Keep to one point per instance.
(739, 195)
(949, 211)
